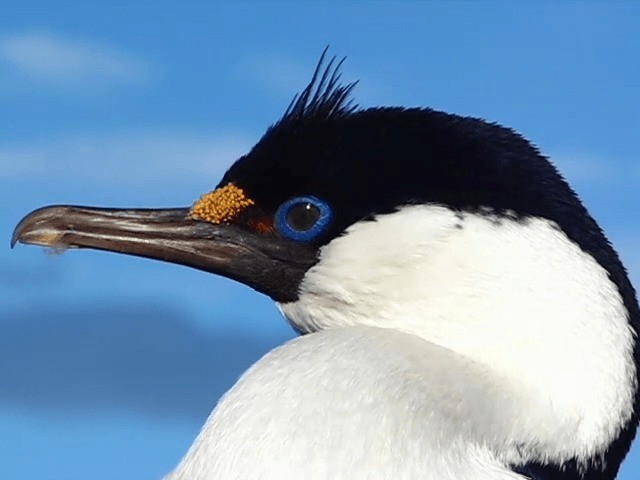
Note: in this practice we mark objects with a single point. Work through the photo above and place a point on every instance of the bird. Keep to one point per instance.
(461, 314)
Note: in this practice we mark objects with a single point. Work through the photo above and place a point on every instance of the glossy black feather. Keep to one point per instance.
(324, 97)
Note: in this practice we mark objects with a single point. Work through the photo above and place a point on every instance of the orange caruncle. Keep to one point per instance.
(222, 205)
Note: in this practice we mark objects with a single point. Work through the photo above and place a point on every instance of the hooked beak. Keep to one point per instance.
(265, 262)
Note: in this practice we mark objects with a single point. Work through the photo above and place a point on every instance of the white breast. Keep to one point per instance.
(358, 403)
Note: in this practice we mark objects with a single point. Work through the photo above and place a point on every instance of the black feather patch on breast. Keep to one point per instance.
(569, 471)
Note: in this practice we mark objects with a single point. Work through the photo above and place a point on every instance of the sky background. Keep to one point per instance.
(110, 364)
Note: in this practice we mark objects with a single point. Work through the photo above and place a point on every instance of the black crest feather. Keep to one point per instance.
(324, 97)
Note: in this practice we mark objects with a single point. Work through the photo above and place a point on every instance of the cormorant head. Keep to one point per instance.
(447, 227)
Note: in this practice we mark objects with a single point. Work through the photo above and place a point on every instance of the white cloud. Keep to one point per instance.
(132, 157)
(50, 57)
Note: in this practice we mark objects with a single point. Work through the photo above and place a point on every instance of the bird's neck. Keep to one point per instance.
(515, 295)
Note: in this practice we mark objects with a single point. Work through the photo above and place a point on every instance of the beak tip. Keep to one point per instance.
(36, 228)
(16, 236)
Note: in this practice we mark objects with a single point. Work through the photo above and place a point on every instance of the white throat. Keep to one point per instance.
(517, 297)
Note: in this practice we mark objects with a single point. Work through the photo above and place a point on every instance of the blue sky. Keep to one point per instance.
(109, 364)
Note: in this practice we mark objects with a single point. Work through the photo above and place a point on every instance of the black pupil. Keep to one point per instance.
(303, 217)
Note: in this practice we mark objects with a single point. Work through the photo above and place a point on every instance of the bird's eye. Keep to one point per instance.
(303, 218)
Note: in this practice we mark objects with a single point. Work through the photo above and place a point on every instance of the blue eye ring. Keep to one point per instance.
(321, 223)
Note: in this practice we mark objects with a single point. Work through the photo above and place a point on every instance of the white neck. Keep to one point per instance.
(516, 296)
